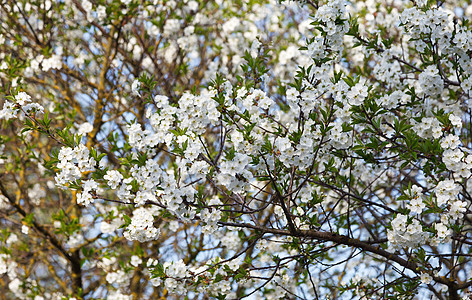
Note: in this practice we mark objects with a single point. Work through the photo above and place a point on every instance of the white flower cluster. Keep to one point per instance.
(436, 22)
(21, 98)
(328, 15)
(229, 168)
(429, 127)
(197, 112)
(409, 233)
(450, 142)
(405, 234)
(114, 178)
(141, 139)
(426, 278)
(357, 93)
(7, 265)
(118, 277)
(416, 204)
(387, 70)
(36, 193)
(75, 240)
(10, 109)
(72, 162)
(211, 216)
(178, 275)
(339, 138)
(117, 295)
(430, 82)
(447, 192)
(85, 198)
(142, 226)
(466, 85)
(392, 100)
(110, 227)
(176, 271)
(442, 231)
(84, 128)
(455, 161)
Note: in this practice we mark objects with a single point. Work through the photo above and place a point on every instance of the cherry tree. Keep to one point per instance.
(235, 149)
